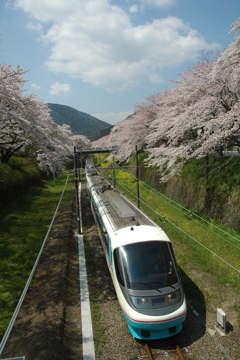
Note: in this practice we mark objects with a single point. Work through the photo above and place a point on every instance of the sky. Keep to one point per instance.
(103, 57)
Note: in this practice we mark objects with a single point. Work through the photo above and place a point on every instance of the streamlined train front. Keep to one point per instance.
(147, 283)
(141, 262)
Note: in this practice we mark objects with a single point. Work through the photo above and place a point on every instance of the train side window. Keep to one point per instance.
(106, 241)
(118, 266)
(109, 250)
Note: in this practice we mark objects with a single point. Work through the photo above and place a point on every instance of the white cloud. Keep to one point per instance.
(35, 86)
(58, 88)
(134, 8)
(113, 118)
(34, 26)
(96, 41)
(158, 3)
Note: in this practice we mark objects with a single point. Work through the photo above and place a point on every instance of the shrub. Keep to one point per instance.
(17, 176)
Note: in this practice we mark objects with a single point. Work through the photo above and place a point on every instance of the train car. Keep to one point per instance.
(141, 262)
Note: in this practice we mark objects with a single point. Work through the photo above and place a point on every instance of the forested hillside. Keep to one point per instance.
(80, 123)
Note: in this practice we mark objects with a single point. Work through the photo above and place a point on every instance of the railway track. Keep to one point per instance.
(179, 352)
(152, 354)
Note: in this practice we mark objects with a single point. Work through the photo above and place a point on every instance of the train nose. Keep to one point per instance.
(152, 331)
(146, 334)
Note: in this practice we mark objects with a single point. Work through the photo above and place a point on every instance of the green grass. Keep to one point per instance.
(24, 223)
(197, 243)
(237, 309)
(223, 171)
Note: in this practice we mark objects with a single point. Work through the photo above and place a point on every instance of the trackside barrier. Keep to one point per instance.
(16, 358)
(87, 330)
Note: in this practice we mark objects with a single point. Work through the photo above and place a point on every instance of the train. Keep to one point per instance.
(141, 262)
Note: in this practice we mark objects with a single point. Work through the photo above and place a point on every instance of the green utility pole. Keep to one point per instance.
(137, 179)
(76, 187)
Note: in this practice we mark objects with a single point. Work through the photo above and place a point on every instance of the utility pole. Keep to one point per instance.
(114, 173)
(76, 186)
(137, 179)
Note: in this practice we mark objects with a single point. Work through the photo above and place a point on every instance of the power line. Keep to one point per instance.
(181, 230)
(187, 210)
(184, 232)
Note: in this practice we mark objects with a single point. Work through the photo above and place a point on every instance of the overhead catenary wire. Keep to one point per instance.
(186, 209)
(184, 232)
(181, 230)
(192, 214)
(215, 169)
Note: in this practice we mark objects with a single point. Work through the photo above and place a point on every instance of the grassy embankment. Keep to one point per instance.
(204, 248)
(24, 222)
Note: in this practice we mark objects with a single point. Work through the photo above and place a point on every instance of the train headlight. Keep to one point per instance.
(156, 302)
(174, 297)
(171, 296)
(141, 302)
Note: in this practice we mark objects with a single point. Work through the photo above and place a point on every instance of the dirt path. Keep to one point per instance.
(50, 315)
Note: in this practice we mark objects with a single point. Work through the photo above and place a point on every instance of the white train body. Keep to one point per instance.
(141, 263)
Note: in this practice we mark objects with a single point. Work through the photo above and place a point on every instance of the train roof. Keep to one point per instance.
(123, 215)
(132, 234)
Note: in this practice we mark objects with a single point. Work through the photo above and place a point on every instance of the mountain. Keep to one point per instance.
(79, 122)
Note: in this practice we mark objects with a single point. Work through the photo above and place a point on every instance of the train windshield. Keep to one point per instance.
(146, 265)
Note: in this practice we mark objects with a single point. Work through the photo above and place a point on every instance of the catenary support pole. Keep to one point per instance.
(137, 179)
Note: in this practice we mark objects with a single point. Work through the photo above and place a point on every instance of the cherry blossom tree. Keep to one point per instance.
(133, 130)
(208, 112)
(189, 120)
(80, 142)
(11, 122)
(27, 128)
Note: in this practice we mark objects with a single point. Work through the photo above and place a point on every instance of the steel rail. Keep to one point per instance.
(150, 356)
(148, 351)
(179, 352)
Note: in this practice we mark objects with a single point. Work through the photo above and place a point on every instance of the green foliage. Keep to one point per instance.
(17, 176)
(24, 223)
(210, 186)
(222, 172)
(102, 160)
(191, 238)
(237, 309)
